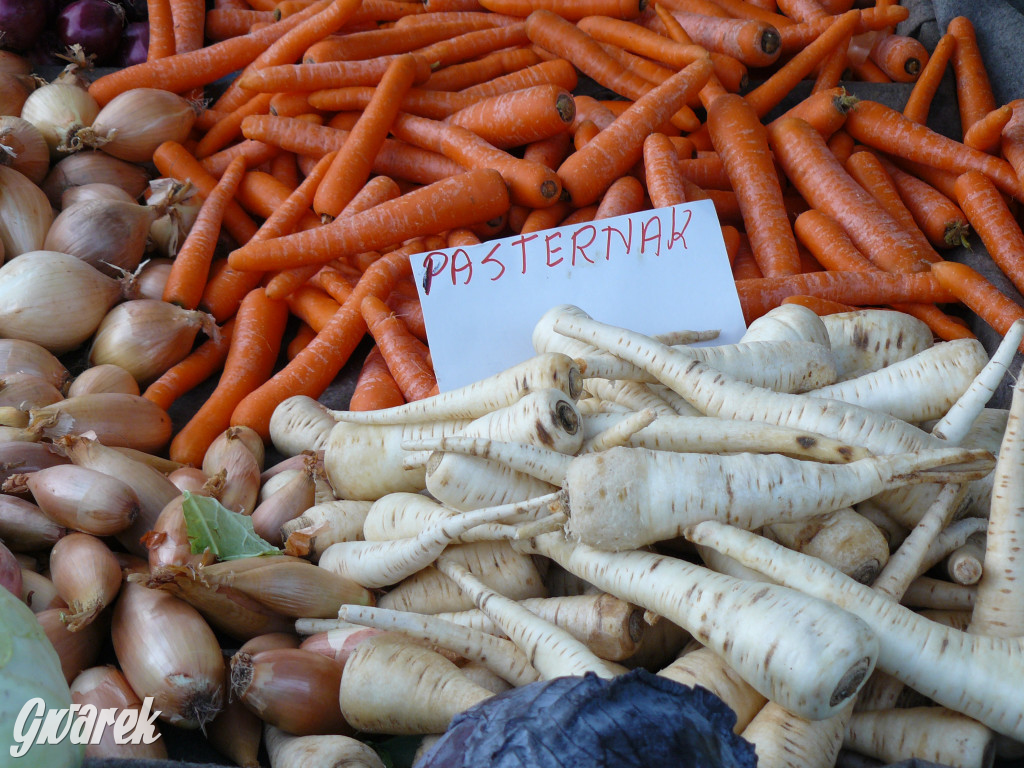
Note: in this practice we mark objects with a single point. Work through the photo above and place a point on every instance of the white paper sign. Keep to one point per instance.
(654, 271)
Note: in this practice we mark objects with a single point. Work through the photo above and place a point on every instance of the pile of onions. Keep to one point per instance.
(62, 112)
(25, 213)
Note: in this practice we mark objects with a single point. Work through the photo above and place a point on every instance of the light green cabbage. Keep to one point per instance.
(30, 669)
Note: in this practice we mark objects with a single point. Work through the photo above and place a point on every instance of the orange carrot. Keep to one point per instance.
(979, 294)
(795, 37)
(475, 195)
(938, 216)
(193, 370)
(222, 23)
(458, 76)
(1011, 142)
(753, 42)
(992, 219)
(885, 129)
(973, 88)
(742, 144)
(529, 183)
(730, 73)
(661, 168)
(868, 171)
(743, 265)
(566, 40)
(587, 173)
(182, 72)
(819, 305)
(189, 22)
(824, 109)
(324, 20)
(255, 343)
(745, 9)
(376, 190)
(405, 355)
(571, 10)
(191, 267)
(380, 42)
(858, 288)
(901, 57)
(302, 336)
(375, 387)
(227, 129)
(625, 195)
(331, 74)
(174, 161)
(286, 170)
(312, 306)
(409, 310)
(253, 153)
(519, 117)
(767, 95)
(919, 101)
(354, 161)
(825, 184)
(292, 104)
(315, 367)
(469, 45)
(161, 29)
(986, 132)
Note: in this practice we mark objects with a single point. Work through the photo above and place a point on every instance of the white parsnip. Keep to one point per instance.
(705, 668)
(924, 386)
(957, 422)
(335, 750)
(634, 395)
(495, 563)
(544, 417)
(975, 675)
(543, 371)
(927, 592)
(377, 564)
(612, 628)
(710, 434)
(803, 653)
(869, 339)
(300, 423)
(424, 690)
(965, 564)
(935, 734)
(620, 432)
(551, 650)
(788, 322)
(365, 461)
(999, 608)
(498, 654)
(309, 534)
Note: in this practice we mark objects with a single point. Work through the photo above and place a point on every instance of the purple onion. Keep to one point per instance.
(134, 44)
(21, 23)
(96, 25)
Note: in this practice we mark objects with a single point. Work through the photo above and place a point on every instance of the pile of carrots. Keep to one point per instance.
(355, 134)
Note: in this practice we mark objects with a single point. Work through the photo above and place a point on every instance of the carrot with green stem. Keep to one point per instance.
(182, 72)
(742, 143)
(405, 355)
(352, 165)
(818, 176)
(191, 267)
(939, 217)
(995, 223)
(867, 170)
(767, 95)
(259, 329)
(886, 130)
(471, 196)
(587, 173)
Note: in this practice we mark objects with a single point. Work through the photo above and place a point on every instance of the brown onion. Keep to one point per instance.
(87, 577)
(134, 123)
(107, 234)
